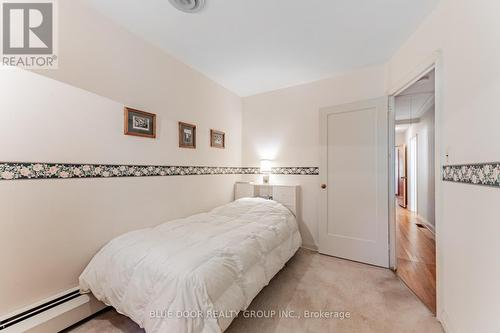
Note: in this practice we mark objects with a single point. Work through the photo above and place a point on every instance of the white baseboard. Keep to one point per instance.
(310, 247)
(445, 321)
(59, 317)
(427, 224)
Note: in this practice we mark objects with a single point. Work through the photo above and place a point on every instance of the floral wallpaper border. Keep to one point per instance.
(487, 174)
(23, 170)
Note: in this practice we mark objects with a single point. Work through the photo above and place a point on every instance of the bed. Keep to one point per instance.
(194, 274)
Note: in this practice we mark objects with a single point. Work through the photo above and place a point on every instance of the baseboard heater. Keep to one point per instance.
(26, 314)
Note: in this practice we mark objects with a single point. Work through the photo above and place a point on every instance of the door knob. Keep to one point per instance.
(323, 186)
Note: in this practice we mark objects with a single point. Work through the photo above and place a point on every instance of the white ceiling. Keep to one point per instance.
(252, 46)
(413, 102)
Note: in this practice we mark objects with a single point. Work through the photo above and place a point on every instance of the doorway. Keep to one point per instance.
(414, 161)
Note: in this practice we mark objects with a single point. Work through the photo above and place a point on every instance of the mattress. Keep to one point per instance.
(194, 274)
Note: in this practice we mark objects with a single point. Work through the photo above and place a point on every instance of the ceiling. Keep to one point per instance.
(413, 102)
(253, 46)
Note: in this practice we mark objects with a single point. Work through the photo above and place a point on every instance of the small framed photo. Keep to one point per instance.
(187, 135)
(217, 139)
(140, 123)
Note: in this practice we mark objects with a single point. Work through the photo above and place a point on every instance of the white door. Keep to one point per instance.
(354, 220)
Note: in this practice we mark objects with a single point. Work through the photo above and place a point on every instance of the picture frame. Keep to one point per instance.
(187, 135)
(139, 123)
(217, 139)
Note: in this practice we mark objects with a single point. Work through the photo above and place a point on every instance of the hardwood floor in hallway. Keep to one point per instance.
(416, 257)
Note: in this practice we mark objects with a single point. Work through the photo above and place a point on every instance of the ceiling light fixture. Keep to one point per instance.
(188, 6)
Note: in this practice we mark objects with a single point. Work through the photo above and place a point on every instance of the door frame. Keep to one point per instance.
(434, 62)
(323, 196)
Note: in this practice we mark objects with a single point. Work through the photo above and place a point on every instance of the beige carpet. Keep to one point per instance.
(375, 298)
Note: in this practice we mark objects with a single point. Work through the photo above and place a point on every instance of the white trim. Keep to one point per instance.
(42, 318)
(43, 301)
(310, 247)
(57, 318)
(444, 319)
(392, 182)
(439, 160)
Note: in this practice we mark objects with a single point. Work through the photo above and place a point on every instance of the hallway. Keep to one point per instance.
(416, 257)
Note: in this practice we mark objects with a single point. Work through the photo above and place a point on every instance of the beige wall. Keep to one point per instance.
(283, 126)
(101, 57)
(467, 34)
(51, 228)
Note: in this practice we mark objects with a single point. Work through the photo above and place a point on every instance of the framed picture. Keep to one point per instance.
(187, 135)
(217, 139)
(140, 123)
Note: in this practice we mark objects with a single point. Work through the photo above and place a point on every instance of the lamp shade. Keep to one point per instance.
(265, 166)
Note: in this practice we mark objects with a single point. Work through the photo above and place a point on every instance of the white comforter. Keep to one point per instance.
(211, 265)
